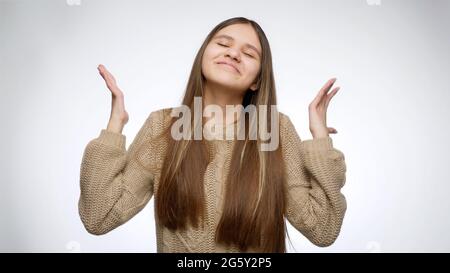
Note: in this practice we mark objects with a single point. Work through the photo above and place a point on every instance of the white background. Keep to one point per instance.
(391, 59)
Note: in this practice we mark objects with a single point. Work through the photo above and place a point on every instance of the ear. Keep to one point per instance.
(254, 86)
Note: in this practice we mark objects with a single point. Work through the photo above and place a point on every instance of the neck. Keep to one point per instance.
(222, 96)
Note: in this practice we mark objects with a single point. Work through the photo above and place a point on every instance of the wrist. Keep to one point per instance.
(115, 126)
(319, 134)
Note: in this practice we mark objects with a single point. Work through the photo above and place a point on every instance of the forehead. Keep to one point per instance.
(242, 33)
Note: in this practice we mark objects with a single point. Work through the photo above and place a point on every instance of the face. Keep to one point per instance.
(233, 58)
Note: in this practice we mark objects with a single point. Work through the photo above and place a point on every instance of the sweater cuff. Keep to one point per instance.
(318, 144)
(111, 138)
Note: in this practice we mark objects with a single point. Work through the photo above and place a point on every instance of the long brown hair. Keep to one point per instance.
(254, 201)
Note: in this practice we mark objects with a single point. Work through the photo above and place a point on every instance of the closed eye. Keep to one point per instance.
(251, 56)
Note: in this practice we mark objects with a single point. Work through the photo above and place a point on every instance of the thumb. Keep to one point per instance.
(331, 130)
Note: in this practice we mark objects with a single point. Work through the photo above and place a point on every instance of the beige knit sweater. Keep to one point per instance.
(114, 187)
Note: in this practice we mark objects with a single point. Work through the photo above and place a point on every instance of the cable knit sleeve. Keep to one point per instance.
(114, 187)
(315, 174)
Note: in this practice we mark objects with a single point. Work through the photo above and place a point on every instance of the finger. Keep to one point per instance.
(324, 90)
(105, 73)
(101, 70)
(109, 78)
(331, 95)
(331, 130)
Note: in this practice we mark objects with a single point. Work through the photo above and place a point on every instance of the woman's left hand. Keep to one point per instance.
(318, 111)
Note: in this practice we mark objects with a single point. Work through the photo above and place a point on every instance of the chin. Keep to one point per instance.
(223, 78)
(226, 81)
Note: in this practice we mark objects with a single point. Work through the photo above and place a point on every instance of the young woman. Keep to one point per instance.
(214, 194)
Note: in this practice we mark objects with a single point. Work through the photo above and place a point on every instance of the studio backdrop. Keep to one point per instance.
(390, 57)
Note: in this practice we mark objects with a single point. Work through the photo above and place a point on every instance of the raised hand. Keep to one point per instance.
(119, 116)
(318, 111)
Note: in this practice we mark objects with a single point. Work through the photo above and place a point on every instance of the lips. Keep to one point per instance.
(229, 64)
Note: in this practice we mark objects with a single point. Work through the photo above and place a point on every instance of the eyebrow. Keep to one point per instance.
(232, 39)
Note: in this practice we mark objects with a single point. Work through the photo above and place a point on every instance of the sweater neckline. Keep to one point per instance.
(219, 131)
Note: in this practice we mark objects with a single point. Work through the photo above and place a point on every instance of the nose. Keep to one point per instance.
(234, 54)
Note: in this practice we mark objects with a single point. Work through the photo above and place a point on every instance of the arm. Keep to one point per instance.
(114, 186)
(315, 174)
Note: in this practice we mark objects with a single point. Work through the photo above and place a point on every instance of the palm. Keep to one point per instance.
(318, 110)
(117, 103)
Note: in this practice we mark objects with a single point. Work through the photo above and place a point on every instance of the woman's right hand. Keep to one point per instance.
(119, 116)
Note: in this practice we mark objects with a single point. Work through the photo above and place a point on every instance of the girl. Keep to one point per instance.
(215, 194)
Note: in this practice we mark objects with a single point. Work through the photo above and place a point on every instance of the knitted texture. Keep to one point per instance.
(115, 187)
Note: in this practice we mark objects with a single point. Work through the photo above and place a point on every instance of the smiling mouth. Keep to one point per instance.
(230, 66)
